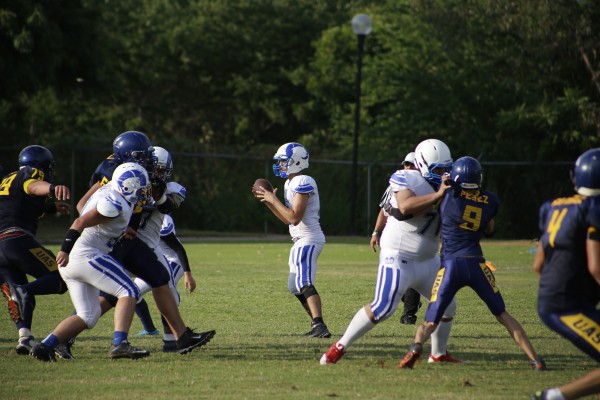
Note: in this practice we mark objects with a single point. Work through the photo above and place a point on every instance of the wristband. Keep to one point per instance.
(375, 233)
(51, 190)
(70, 239)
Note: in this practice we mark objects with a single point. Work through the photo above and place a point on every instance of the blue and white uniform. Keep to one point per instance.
(408, 256)
(307, 235)
(465, 215)
(568, 295)
(90, 268)
(149, 231)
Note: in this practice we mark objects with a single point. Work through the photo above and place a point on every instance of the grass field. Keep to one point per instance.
(260, 352)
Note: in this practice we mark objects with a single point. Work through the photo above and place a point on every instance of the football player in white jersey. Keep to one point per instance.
(150, 231)
(301, 212)
(86, 267)
(411, 298)
(409, 250)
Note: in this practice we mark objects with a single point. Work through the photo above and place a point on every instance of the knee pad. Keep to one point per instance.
(90, 317)
(308, 291)
(301, 298)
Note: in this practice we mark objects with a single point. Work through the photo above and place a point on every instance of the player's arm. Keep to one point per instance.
(90, 218)
(409, 203)
(379, 225)
(490, 229)
(43, 188)
(538, 261)
(287, 215)
(87, 195)
(592, 246)
(175, 244)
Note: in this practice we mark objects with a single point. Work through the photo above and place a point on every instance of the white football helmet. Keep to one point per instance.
(431, 154)
(163, 164)
(290, 159)
(131, 181)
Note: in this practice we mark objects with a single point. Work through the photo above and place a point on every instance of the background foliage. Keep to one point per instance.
(515, 84)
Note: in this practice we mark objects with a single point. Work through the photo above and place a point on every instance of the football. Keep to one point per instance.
(264, 184)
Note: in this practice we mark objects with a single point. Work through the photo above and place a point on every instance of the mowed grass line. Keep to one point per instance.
(260, 352)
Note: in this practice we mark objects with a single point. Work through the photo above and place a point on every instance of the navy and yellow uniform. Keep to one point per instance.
(568, 294)
(20, 253)
(133, 254)
(465, 215)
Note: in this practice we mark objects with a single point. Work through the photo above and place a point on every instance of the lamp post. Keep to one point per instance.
(361, 25)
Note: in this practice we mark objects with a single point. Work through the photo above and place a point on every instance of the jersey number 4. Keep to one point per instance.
(554, 224)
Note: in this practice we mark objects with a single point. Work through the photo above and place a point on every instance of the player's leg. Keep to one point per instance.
(574, 326)
(303, 268)
(390, 285)
(114, 280)
(412, 303)
(140, 260)
(143, 312)
(85, 300)
(22, 256)
(483, 282)
(429, 278)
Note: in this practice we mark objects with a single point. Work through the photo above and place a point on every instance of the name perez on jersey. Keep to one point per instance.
(476, 196)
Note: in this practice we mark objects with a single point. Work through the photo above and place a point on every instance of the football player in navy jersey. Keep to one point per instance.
(568, 263)
(26, 196)
(132, 252)
(467, 213)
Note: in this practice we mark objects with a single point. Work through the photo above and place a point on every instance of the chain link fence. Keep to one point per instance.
(219, 197)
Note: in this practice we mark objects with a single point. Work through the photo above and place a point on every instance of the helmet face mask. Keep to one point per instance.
(163, 164)
(134, 146)
(131, 181)
(433, 159)
(290, 158)
(467, 173)
(587, 173)
(38, 157)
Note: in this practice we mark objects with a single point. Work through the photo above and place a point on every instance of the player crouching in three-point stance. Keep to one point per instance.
(301, 213)
(467, 213)
(87, 268)
(568, 262)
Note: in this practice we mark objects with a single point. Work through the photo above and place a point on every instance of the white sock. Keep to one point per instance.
(554, 394)
(24, 332)
(360, 324)
(439, 338)
(168, 337)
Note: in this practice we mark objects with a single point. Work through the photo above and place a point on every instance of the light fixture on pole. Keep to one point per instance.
(361, 25)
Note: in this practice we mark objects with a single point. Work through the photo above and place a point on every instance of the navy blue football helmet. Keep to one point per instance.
(38, 157)
(587, 173)
(467, 173)
(133, 146)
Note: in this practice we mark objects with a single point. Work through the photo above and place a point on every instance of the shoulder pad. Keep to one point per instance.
(176, 188)
(110, 205)
(176, 192)
(168, 226)
(303, 184)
